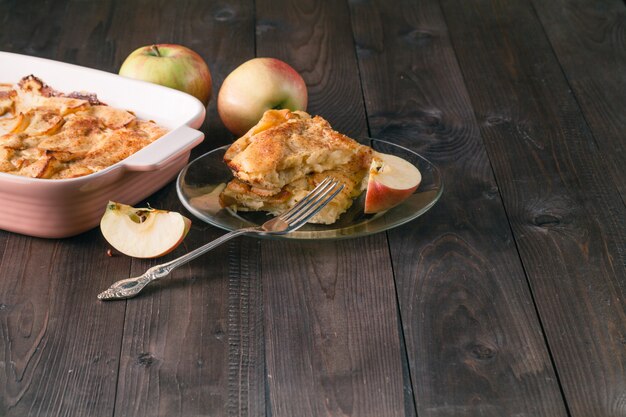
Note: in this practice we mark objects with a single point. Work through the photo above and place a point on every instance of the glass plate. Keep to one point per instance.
(201, 181)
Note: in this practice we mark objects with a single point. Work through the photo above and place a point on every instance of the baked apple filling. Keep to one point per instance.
(47, 134)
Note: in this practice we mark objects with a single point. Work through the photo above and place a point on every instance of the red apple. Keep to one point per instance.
(143, 232)
(255, 86)
(173, 66)
(391, 181)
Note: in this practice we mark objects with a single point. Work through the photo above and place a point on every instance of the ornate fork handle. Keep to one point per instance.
(130, 287)
(287, 222)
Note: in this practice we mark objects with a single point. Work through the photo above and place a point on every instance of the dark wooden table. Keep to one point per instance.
(506, 299)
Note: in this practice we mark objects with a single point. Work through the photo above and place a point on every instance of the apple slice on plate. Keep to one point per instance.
(391, 181)
(143, 232)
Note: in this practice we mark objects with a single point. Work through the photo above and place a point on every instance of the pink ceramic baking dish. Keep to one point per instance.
(62, 208)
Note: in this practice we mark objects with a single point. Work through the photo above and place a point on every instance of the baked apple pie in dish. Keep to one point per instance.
(64, 155)
(282, 158)
(47, 134)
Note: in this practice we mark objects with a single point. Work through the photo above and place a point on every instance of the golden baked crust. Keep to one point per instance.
(7, 98)
(240, 197)
(271, 118)
(46, 134)
(288, 147)
(285, 156)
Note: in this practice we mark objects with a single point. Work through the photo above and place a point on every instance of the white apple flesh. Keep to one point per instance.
(143, 232)
(258, 85)
(391, 181)
(170, 65)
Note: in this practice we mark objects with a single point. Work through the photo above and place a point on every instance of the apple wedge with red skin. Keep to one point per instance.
(143, 232)
(391, 181)
(258, 85)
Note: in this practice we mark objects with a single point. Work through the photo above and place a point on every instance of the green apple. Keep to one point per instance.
(258, 85)
(173, 66)
(143, 232)
(391, 181)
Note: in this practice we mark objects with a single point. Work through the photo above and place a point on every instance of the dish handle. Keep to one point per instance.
(160, 152)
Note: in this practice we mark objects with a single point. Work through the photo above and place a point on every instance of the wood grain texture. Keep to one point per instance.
(175, 348)
(56, 356)
(184, 339)
(521, 104)
(193, 342)
(221, 32)
(332, 342)
(567, 217)
(315, 39)
(589, 39)
(331, 336)
(246, 353)
(474, 341)
(32, 28)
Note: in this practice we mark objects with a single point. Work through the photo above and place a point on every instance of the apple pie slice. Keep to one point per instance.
(285, 156)
(286, 146)
(240, 197)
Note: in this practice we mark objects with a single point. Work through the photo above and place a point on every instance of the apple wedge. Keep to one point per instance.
(391, 181)
(143, 232)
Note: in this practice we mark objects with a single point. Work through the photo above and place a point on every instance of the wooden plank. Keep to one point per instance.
(56, 357)
(189, 347)
(55, 354)
(246, 360)
(588, 39)
(331, 334)
(474, 342)
(567, 216)
(219, 31)
(26, 29)
(175, 351)
(332, 342)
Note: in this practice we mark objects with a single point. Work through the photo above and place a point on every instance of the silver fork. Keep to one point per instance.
(282, 224)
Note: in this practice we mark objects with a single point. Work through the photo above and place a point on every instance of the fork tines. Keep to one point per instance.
(313, 202)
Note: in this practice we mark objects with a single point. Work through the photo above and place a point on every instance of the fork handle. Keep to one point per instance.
(130, 287)
(175, 263)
